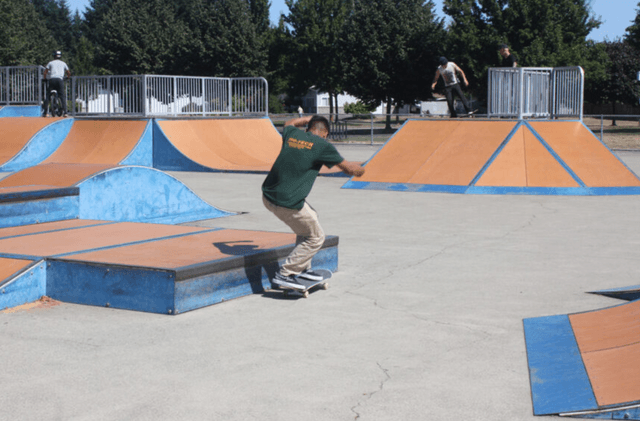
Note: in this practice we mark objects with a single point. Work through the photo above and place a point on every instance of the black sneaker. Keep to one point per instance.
(288, 282)
(311, 275)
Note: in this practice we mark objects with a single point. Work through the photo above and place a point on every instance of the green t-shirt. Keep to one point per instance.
(296, 168)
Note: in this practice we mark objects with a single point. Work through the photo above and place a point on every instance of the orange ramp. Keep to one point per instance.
(27, 141)
(586, 364)
(114, 142)
(238, 145)
(497, 157)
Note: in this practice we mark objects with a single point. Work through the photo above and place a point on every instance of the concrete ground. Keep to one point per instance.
(423, 321)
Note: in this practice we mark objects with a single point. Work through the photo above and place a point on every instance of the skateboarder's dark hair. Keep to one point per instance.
(319, 122)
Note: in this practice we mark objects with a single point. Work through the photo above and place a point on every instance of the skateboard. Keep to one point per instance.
(309, 285)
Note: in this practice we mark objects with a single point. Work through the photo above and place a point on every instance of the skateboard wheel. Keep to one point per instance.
(305, 294)
(325, 286)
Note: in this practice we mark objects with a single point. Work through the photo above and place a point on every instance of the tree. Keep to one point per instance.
(260, 15)
(620, 86)
(542, 33)
(390, 50)
(57, 18)
(633, 32)
(279, 43)
(25, 37)
(223, 40)
(138, 37)
(315, 27)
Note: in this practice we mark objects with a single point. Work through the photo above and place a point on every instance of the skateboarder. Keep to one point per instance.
(289, 183)
(449, 71)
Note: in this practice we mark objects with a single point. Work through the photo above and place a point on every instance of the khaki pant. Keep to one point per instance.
(309, 240)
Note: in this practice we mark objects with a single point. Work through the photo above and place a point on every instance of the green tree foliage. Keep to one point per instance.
(260, 15)
(620, 86)
(315, 27)
(542, 33)
(279, 42)
(57, 18)
(25, 38)
(633, 32)
(390, 50)
(223, 40)
(139, 37)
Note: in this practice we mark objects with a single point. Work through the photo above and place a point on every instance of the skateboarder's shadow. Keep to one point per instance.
(233, 249)
(259, 271)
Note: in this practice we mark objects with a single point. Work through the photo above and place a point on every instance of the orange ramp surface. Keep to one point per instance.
(609, 342)
(29, 137)
(99, 142)
(243, 145)
(525, 162)
(436, 152)
(497, 157)
(591, 160)
(58, 175)
(16, 132)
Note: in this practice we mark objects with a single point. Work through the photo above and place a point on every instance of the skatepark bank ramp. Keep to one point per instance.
(218, 145)
(586, 365)
(31, 141)
(497, 157)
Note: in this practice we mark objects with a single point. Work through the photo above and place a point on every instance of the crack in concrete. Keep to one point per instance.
(369, 395)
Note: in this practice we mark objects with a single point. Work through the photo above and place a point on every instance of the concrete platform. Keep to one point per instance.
(423, 321)
(146, 267)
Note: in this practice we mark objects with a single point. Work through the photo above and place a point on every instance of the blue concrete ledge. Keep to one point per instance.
(21, 111)
(163, 291)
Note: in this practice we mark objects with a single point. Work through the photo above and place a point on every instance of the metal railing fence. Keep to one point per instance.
(21, 85)
(107, 95)
(163, 96)
(530, 92)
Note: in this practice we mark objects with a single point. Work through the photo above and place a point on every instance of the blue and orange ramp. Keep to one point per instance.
(586, 365)
(31, 141)
(26, 141)
(52, 192)
(145, 267)
(114, 142)
(218, 145)
(497, 157)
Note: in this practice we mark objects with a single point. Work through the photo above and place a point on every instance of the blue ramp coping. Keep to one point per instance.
(559, 380)
(21, 111)
(629, 413)
(40, 146)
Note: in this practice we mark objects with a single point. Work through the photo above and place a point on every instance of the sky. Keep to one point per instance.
(616, 15)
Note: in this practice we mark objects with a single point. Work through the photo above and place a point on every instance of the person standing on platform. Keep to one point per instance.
(449, 71)
(285, 190)
(508, 59)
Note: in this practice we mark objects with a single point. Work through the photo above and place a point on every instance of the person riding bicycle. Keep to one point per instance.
(54, 72)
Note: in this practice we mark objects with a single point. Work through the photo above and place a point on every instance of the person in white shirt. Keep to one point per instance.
(449, 71)
(55, 72)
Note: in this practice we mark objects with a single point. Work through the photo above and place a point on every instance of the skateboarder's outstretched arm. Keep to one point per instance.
(351, 168)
